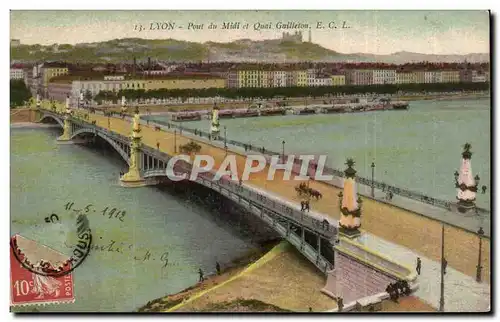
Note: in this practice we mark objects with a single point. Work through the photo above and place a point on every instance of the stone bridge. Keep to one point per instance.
(148, 150)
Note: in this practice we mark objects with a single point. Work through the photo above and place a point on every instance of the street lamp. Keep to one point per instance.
(283, 150)
(480, 233)
(225, 138)
(175, 140)
(373, 179)
(441, 300)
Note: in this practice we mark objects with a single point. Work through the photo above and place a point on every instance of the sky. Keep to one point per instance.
(376, 32)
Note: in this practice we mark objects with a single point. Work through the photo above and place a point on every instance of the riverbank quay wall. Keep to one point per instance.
(392, 223)
(290, 101)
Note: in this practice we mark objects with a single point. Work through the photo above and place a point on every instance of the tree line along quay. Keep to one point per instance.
(320, 91)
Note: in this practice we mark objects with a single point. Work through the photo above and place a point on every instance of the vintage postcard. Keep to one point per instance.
(250, 161)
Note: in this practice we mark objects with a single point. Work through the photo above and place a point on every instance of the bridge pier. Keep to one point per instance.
(65, 138)
(133, 178)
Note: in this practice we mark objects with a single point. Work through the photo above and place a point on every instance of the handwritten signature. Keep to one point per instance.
(115, 247)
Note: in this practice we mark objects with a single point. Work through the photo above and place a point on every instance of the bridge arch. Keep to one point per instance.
(110, 141)
(49, 116)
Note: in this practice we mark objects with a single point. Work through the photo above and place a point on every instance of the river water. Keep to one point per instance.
(126, 267)
(418, 149)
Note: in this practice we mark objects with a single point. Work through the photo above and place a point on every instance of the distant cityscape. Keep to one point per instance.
(57, 80)
(60, 79)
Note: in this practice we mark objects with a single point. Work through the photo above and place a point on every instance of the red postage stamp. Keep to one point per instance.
(29, 287)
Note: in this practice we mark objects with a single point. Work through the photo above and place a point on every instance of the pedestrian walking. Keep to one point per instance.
(200, 272)
(217, 267)
(419, 265)
(406, 287)
(483, 189)
(306, 205)
(302, 205)
(340, 303)
(391, 289)
(158, 145)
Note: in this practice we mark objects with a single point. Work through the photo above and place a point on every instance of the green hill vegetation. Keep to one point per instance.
(126, 49)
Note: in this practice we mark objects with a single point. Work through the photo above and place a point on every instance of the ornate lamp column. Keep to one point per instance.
(124, 105)
(465, 183)
(350, 204)
(215, 126)
(66, 136)
(133, 177)
(35, 105)
(38, 102)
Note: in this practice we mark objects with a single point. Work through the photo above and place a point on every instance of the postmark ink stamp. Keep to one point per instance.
(31, 288)
(44, 267)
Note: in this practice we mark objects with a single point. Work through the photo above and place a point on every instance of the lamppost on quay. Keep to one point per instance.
(441, 300)
(480, 234)
(283, 151)
(225, 138)
(175, 140)
(373, 179)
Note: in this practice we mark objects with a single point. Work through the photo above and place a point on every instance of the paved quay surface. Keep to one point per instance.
(401, 227)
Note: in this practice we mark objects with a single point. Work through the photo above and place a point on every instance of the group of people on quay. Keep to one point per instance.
(202, 276)
(397, 289)
(303, 189)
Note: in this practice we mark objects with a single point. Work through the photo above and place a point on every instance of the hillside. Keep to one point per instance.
(119, 50)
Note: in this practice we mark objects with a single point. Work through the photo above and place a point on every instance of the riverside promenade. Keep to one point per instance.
(461, 292)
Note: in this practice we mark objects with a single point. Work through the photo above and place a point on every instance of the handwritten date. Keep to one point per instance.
(107, 212)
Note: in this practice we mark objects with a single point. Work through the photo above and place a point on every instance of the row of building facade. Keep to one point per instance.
(312, 77)
(56, 80)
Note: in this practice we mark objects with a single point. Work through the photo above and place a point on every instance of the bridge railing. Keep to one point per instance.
(332, 171)
(319, 225)
(323, 227)
(273, 219)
